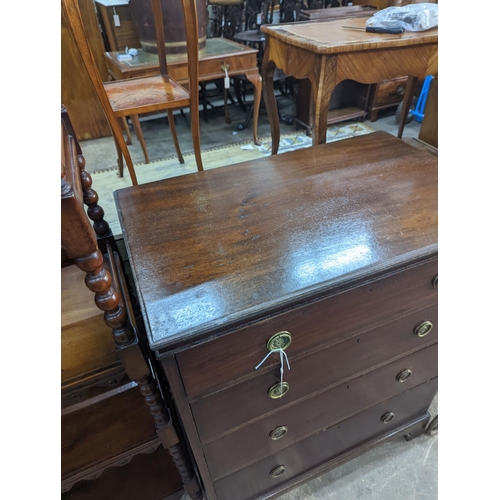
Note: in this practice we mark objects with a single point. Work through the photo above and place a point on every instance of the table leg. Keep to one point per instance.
(268, 67)
(407, 99)
(256, 80)
(226, 111)
(237, 91)
(322, 85)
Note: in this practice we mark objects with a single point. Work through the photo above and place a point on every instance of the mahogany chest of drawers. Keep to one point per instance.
(327, 253)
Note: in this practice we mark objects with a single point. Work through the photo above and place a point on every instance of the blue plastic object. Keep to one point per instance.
(418, 112)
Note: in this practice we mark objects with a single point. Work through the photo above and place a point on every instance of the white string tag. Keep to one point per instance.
(116, 18)
(282, 370)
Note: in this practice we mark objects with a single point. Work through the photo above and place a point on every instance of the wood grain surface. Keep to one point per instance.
(211, 248)
(77, 92)
(311, 452)
(207, 368)
(239, 404)
(142, 95)
(329, 37)
(252, 443)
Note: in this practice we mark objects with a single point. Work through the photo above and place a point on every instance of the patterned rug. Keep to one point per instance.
(107, 181)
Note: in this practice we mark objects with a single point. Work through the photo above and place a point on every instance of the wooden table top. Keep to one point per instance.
(211, 249)
(214, 49)
(329, 37)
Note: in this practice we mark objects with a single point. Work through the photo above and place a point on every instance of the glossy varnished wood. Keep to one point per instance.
(329, 37)
(252, 443)
(255, 480)
(206, 367)
(268, 234)
(77, 91)
(226, 409)
(109, 427)
(103, 430)
(326, 54)
(142, 95)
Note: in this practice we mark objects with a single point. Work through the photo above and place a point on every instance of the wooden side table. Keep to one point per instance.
(326, 54)
(219, 52)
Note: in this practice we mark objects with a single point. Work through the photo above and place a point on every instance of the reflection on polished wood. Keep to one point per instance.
(273, 228)
(327, 54)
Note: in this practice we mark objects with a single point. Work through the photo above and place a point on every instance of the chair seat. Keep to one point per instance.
(142, 95)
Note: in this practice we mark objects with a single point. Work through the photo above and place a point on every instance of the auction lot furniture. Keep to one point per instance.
(326, 54)
(111, 407)
(159, 92)
(291, 259)
(219, 53)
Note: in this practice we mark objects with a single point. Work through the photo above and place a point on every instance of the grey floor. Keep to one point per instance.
(397, 470)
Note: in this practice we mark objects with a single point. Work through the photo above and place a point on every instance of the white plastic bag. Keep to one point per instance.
(413, 17)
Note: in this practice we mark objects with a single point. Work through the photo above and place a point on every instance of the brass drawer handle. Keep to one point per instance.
(400, 90)
(435, 282)
(278, 433)
(387, 417)
(404, 375)
(423, 329)
(280, 340)
(276, 472)
(278, 390)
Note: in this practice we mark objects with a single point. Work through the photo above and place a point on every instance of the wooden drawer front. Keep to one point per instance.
(216, 364)
(237, 63)
(251, 443)
(105, 429)
(389, 92)
(317, 449)
(220, 412)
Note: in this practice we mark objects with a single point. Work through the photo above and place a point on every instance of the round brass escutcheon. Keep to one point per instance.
(278, 433)
(277, 471)
(387, 417)
(423, 329)
(435, 282)
(404, 375)
(278, 390)
(280, 340)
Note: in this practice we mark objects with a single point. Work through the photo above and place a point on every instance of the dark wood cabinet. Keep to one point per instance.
(329, 253)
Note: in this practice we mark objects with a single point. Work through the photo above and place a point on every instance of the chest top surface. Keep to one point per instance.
(215, 247)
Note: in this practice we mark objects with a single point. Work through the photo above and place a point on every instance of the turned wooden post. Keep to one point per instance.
(80, 242)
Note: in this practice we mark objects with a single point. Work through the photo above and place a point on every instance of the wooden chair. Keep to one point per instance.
(143, 95)
(112, 408)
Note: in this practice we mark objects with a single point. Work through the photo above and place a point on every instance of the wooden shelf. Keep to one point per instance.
(337, 116)
(343, 114)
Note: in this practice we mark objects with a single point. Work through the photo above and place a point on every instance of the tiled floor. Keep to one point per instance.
(397, 470)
